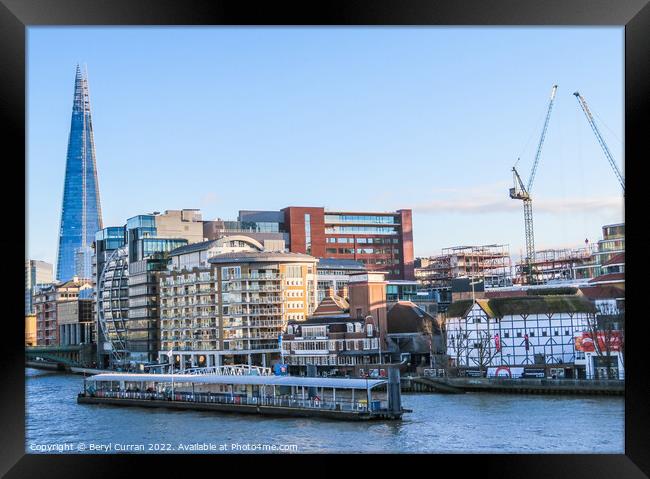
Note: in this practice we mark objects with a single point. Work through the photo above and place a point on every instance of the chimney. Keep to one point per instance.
(343, 292)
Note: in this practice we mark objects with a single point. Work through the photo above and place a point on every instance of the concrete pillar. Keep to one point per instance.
(394, 391)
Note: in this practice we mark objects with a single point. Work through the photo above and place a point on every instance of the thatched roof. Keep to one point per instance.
(501, 307)
(542, 305)
(459, 309)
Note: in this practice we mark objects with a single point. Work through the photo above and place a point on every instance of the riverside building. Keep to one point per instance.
(233, 310)
(529, 332)
(129, 261)
(47, 300)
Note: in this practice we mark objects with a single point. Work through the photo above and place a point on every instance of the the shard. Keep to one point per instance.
(81, 214)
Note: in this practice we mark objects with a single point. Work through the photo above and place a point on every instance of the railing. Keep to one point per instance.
(235, 370)
(293, 402)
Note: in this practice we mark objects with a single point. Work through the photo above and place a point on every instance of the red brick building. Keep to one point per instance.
(381, 241)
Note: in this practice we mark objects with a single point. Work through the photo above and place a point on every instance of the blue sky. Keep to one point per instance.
(367, 119)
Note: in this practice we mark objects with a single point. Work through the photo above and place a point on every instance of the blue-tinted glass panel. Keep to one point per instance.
(81, 216)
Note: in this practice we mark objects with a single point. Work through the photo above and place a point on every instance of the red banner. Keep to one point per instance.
(585, 342)
(497, 342)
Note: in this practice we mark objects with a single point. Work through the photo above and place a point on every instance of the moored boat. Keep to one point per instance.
(335, 398)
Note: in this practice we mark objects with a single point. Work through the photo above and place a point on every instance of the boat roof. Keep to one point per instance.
(339, 383)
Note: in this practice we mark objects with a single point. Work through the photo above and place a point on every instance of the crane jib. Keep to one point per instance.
(599, 137)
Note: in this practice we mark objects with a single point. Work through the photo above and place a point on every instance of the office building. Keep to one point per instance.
(81, 215)
(380, 241)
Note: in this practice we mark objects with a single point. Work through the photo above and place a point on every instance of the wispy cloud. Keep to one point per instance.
(473, 203)
(209, 198)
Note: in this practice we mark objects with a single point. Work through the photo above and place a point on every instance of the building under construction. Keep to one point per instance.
(489, 262)
(557, 265)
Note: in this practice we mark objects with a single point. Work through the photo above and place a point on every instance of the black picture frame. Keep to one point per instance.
(634, 15)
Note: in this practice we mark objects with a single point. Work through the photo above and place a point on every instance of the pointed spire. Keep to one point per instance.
(81, 209)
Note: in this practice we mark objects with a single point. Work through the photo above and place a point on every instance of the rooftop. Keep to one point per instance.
(500, 307)
(191, 248)
(261, 256)
(333, 263)
(339, 383)
(609, 278)
(407, 317)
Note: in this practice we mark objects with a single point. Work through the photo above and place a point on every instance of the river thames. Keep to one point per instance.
(467, 423)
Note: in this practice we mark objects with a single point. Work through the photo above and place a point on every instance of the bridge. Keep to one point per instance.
(63, 356)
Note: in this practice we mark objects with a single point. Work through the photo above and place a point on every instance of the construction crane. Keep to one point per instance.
(601, 140)
(523, 192)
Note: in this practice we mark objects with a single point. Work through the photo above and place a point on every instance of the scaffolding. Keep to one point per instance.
(489, 262)
(558, 265)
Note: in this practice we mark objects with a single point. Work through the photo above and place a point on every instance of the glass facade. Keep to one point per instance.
(361, 219)
(308, 233)
(377, 230)
(81, 215)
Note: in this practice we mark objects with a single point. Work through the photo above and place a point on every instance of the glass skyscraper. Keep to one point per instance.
(81, 214)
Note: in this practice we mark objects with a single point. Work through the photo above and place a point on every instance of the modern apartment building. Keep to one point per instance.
(36, 272)
(233, 310)
(129, 261)
(380, 241)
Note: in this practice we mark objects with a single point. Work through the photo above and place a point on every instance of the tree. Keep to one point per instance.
(456, 340)
(484, 349)
(606, 332)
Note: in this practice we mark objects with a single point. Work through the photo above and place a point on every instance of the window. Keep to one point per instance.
(519, 333)
(506, 334)
(543, 332)
(532, 334)
(556, 333)
(308, 233)
(294, 271)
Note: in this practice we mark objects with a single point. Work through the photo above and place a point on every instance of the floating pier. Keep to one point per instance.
(334, 398)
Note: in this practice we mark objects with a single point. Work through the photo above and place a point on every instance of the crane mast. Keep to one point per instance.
(599, 137)
(521, 192)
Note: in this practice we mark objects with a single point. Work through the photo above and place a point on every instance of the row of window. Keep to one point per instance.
(332, 345)
(376, 219)
(395, 251)
(363, 240)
